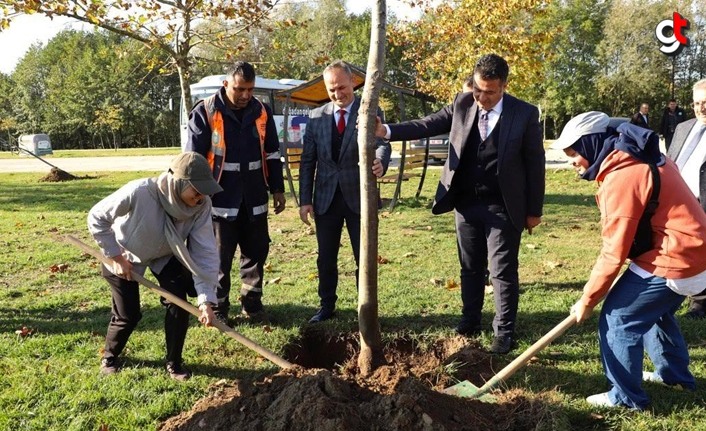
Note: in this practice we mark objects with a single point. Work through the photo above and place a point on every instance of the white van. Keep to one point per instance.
(39, 144)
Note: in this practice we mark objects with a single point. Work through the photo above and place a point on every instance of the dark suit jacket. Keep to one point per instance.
(520, 152)
(319, 174)
(638, 120)
(680, 134)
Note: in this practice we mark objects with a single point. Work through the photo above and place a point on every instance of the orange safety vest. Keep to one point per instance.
(217, 154)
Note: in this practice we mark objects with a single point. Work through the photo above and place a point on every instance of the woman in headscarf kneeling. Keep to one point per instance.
(148, 223)
(638, 312)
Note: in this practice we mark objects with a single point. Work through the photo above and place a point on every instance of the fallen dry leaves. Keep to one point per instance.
(451, 284)
(552, 265)
(25, 332)
(60, 267)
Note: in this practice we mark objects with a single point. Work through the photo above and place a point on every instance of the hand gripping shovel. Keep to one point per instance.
(267, 354)
(467, 389)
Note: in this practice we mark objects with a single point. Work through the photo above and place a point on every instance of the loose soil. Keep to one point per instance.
(57, 175)
(327, 393)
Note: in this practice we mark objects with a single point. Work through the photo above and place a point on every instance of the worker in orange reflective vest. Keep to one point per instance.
(237, 135)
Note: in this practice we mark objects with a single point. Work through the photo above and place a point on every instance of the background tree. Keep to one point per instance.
(690, 64)
(8, 124)
(68, 88)
(445, 43)
(164, 25)
(633, 70)
(569, 86)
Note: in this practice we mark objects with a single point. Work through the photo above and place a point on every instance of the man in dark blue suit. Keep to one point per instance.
(329, 179)
(494, 181)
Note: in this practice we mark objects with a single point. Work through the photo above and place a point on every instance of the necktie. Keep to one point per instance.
(685, 153)
(483, 124)
(341, 121)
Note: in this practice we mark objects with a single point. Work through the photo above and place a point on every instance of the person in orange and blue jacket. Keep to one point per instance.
(237, 134)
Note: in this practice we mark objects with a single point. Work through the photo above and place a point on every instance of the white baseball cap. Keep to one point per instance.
(581, 125)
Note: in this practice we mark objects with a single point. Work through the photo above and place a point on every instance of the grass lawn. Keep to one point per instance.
(50, 378)
(156, 151)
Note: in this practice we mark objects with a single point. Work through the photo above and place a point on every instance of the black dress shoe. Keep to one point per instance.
(322, 314)
(178, 372)
(467, 328)
(502, 344)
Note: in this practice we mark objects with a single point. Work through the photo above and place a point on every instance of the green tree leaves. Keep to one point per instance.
(92, 90)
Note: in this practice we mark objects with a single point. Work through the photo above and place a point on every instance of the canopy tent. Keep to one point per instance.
(313, 93)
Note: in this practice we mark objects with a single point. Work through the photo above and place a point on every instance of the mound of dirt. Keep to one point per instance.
(403, 395)
(57, 175)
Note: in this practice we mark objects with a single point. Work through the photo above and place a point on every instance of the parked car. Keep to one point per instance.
(438, 147)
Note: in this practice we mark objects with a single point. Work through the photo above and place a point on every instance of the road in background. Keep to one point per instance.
(555, 159)
(87, 164)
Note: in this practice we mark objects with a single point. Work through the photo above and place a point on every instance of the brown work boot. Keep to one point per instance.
(109, 366)
(256, 317)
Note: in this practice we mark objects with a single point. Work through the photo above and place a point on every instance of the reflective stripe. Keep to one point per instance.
(219, 151)
(262, 209)
(224, 212)
(235, 167)
(245, 288)
(276, 155)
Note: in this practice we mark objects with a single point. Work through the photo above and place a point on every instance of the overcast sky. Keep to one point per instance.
(26, 30)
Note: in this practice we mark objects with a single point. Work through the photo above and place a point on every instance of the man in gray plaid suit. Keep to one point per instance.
(329, 179)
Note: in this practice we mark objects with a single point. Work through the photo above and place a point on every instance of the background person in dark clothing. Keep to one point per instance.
(237, 134)
(641, 117)
(671, 116)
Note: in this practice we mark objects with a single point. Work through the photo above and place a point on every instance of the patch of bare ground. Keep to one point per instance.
(326, 392)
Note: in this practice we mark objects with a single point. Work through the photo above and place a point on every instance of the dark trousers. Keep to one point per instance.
(485, 232)
(253, 238)
(125, 312)
(329, 227)
(698, 305)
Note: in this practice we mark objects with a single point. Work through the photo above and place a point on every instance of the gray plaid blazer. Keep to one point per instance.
(319, 174)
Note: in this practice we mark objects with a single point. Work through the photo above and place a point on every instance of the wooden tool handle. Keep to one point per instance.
(521, 360)
(267, 354)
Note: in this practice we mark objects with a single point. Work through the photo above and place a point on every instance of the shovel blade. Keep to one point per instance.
(466, 389)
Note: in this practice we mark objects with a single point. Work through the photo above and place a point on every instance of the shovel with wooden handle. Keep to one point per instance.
(267, 354)
(467, 389)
